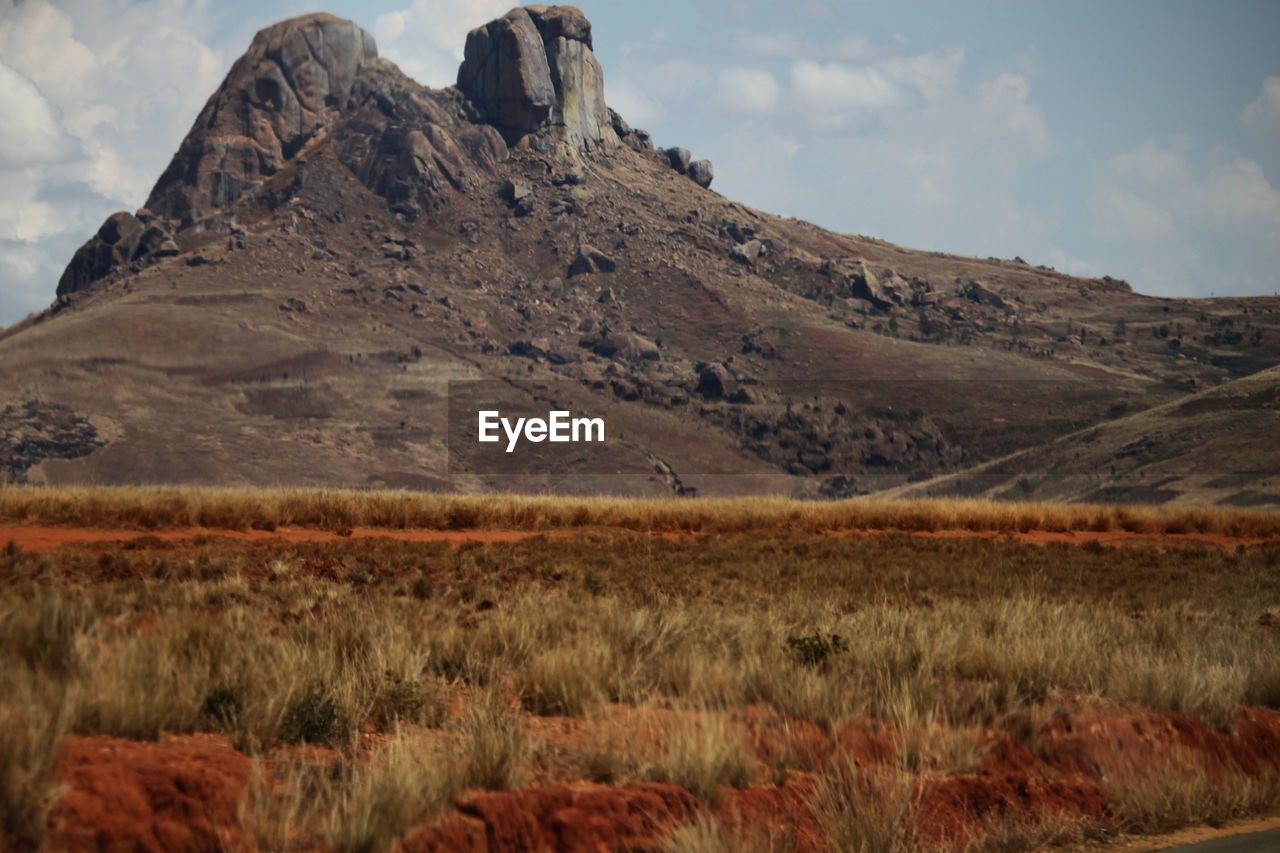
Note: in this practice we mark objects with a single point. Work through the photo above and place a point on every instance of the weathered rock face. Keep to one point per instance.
(122, 239)
(534, 69)
(300, 79)
(281, 93)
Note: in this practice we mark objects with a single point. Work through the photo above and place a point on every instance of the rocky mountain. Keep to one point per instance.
(340, 266)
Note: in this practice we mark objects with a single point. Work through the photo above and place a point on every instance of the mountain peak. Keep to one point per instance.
(282, 92)
(533, 69)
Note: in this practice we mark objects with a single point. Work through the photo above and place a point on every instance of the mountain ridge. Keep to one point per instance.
(307, 278)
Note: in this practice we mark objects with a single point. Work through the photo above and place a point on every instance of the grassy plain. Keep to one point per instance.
(372, 685)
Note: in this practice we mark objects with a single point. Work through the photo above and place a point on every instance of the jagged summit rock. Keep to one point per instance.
(533, 69)
(287, 88)
(311, 100)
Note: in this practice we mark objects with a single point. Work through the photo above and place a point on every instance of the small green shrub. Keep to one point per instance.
(222, 706)
(314, 717)
(815, 648)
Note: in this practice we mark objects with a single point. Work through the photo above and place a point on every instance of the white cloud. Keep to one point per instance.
(33, 134)
(675, 79)
(639, 108)
(1222, 191)
(1209, 218)
(932, 74)
(837, 89)
(24, 218)
(98, 96)
(854, 48)
(749, 90)
(426, 40)
(1121, 212)
(1263, 114)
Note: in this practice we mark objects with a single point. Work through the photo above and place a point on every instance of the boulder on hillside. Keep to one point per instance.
(112, 246)
(864, 284)
(977, 291)
(702, 173)
(591, 260)
(678, 159)
(122, 239)
(746, 253)
(715, 382)
(626, 346)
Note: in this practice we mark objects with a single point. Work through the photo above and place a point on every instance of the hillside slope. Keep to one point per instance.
(1221, 446)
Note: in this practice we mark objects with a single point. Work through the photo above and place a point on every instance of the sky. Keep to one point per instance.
(1138, 139)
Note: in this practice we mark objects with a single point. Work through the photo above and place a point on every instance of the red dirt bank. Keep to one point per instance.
(182, 793)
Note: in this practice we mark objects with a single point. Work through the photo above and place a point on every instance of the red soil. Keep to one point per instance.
(183, 793)
(179, 793)
(575, 818)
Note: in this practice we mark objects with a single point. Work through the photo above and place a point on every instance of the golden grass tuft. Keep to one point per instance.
(704, 755)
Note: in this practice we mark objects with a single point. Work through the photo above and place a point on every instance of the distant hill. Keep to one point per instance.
(1221, 446)
(340, 265)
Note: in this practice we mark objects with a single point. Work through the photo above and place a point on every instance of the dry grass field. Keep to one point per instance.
(679, 675)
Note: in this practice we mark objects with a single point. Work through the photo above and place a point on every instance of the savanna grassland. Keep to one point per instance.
(627, 675)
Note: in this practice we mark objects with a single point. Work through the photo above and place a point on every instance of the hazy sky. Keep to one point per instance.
(1139, 139)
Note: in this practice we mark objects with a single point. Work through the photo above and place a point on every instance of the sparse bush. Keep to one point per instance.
(404, 700)
(31, 730)
(222, 707)
(1164, 793)
(395, 788)
(315, 717)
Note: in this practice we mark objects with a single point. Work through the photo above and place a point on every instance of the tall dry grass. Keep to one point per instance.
(361, 806)
(332, 509)
(279, 644)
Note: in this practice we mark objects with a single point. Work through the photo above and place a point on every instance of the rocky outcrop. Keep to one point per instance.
(414, 151)
(125, 238)
(285, 90)
(532, 70)
(632, 137)
(626, 346)
(300, 80)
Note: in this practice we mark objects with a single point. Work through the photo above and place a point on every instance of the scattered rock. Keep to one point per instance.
(747, 252)
(591, 260)
(876, 289)
(621, 345)
(635, 138)
(977, 291)
(715, 382)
